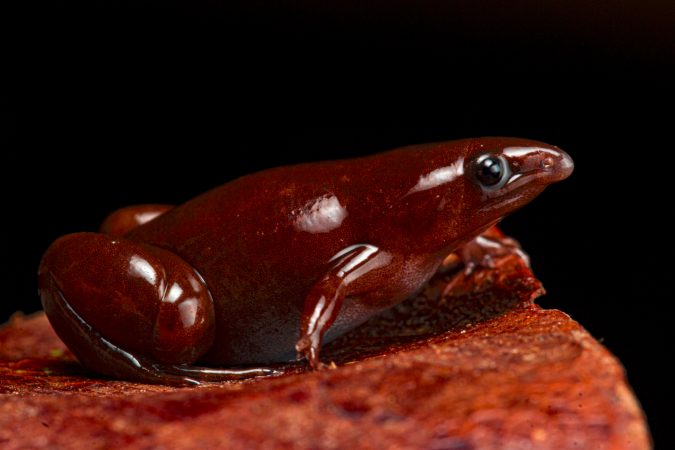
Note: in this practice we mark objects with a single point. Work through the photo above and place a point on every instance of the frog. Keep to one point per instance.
(269, 267)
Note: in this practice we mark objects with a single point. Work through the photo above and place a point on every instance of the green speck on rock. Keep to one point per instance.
(56, 352)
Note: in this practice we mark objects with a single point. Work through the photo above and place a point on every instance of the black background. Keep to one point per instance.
(108, 108)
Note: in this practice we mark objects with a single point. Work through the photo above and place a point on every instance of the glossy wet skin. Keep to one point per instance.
(280, 261)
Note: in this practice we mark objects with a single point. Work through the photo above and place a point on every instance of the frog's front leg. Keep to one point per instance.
(482, 251)
(130, 310)
(325, 298)
(123, 220)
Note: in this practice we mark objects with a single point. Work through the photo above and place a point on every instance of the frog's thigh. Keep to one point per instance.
(127, 309)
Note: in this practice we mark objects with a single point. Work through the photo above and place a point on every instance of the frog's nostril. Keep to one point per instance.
(547, 163)
(555, 166)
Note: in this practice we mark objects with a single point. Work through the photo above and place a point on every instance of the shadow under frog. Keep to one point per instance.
(270, 265)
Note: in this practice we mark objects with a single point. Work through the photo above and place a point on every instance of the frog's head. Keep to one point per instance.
(471, 184)
(503, 174)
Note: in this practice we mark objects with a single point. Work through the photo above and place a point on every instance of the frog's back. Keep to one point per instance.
(280, 213)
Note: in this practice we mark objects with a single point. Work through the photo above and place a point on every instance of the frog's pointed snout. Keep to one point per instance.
(557, 165)
(565, 165)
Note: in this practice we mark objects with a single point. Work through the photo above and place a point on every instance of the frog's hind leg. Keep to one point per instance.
(123, 220)
(131, 310)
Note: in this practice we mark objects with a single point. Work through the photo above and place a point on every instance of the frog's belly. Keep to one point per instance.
(273, 336)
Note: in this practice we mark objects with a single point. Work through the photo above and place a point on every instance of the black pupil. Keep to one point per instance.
(490, 171)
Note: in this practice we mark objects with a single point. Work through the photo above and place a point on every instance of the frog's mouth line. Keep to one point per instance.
(550, 175)
(535, 177)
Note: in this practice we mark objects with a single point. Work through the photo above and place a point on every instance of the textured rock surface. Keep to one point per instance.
(482, 368)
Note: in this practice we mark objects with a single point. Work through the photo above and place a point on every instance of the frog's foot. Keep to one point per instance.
(130, 310)
(123, 220)
(481, 253)
(307, 348)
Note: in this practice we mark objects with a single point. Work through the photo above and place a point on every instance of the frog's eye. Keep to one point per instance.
(491, 172)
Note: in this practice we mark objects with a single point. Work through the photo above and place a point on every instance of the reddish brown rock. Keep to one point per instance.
(483, 368)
